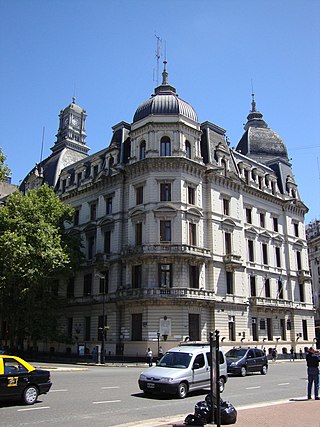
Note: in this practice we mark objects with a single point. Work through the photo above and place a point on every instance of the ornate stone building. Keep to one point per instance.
(182, 234)
(313, 239)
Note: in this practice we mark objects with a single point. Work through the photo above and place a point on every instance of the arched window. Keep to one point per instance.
(188, 150)
(165, 149)
(142, 153)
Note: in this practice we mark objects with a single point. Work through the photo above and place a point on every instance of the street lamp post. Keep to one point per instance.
(158, 336)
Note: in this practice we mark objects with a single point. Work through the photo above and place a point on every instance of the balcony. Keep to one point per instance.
(270, 302)
(232, 262)
(167, 293)
(166, 249)
(303, 276)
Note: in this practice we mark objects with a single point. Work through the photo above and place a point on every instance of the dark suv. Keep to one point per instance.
(245, 359)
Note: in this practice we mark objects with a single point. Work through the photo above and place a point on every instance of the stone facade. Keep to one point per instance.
(184, 235)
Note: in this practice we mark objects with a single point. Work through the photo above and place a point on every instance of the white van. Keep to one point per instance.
(182, 369)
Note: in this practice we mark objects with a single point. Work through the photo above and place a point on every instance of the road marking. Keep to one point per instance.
(63, 389)
(252, 388)
(106, 388)
(284, 384)
(34, 409)
(106, 401)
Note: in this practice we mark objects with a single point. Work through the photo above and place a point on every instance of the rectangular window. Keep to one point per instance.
(262, 324)
(192, 234)
(265, 253)
(262, 220)
(280, 289)
(87, 328)
(246, 176)
(194, 276)
(302, 292)
(93, 211)
(249, 215)
(194, 327)
(64, 185)
(275, 224)
(232, 328)
(165, 275)
(254, 325)
(165, 231)
(107, 242)
(299, 260)
(70, 287)
(296, 229)
(226, 206)
(269, 329)
(136, 327)
(90, 242)
(139, 195)
(267, 288)
(278, 257)
(95, 170)
(191, 196)
(304, 330)
(136, 276)
(227, 243)
(230, 286)
(165, 192)
(79, 176)
(87, 284)
(109, 206)
(283, 329)
(250, 250)
(76, 217)
(138, 233)
(253, 289)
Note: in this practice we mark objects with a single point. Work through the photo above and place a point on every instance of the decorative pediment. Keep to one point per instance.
(194, 212)
(251, 231)
(227, 223)
(264, 236)
(90, 228)
(166, 211)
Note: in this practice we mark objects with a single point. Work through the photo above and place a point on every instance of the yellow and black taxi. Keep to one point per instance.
(20, 380)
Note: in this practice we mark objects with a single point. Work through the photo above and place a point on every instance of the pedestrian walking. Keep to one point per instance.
(274, 354)
(301, 354)
(313, 358)
(149, 356)
(160, 352)
(292, 354)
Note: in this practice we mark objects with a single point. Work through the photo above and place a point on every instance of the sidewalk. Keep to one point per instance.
(300, 411)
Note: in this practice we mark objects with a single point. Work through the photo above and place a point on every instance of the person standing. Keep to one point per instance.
(312, 359)
(160, 352)
(292, 354)
(149, 356)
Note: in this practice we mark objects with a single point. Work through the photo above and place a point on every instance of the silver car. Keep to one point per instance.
(182, 369)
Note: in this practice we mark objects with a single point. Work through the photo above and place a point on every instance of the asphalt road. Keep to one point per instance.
(110, 396)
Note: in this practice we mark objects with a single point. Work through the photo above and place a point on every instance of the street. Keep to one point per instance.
(110, 396)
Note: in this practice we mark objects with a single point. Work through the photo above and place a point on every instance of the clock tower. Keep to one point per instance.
(71, 132)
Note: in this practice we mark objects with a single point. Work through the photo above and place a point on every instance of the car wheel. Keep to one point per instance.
(243, 371)
(222, 384)
(182, 390)
(264, 370)
(30, 395)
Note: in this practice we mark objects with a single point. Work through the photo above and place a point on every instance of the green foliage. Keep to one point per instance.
(34, 250)
(4, 169)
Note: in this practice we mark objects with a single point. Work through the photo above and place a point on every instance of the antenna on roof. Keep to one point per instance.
(158, 56)
(253, 102)
(41, 152)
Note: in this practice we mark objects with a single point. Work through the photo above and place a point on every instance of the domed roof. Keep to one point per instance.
(260, 142)
(165, 101)
(74, 106)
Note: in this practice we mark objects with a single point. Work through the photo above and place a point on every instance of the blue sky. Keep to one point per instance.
(103, 52)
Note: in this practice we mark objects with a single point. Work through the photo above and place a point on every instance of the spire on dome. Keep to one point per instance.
(164, 73)
(253, 104)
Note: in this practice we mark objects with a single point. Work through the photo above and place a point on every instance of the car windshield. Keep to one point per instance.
(175, 360)
(236, 353)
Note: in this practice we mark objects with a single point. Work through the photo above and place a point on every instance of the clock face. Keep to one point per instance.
(66, 121)
(75, 121)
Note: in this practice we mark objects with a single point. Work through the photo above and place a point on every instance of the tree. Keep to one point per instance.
(34, 252)
(4, 169)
